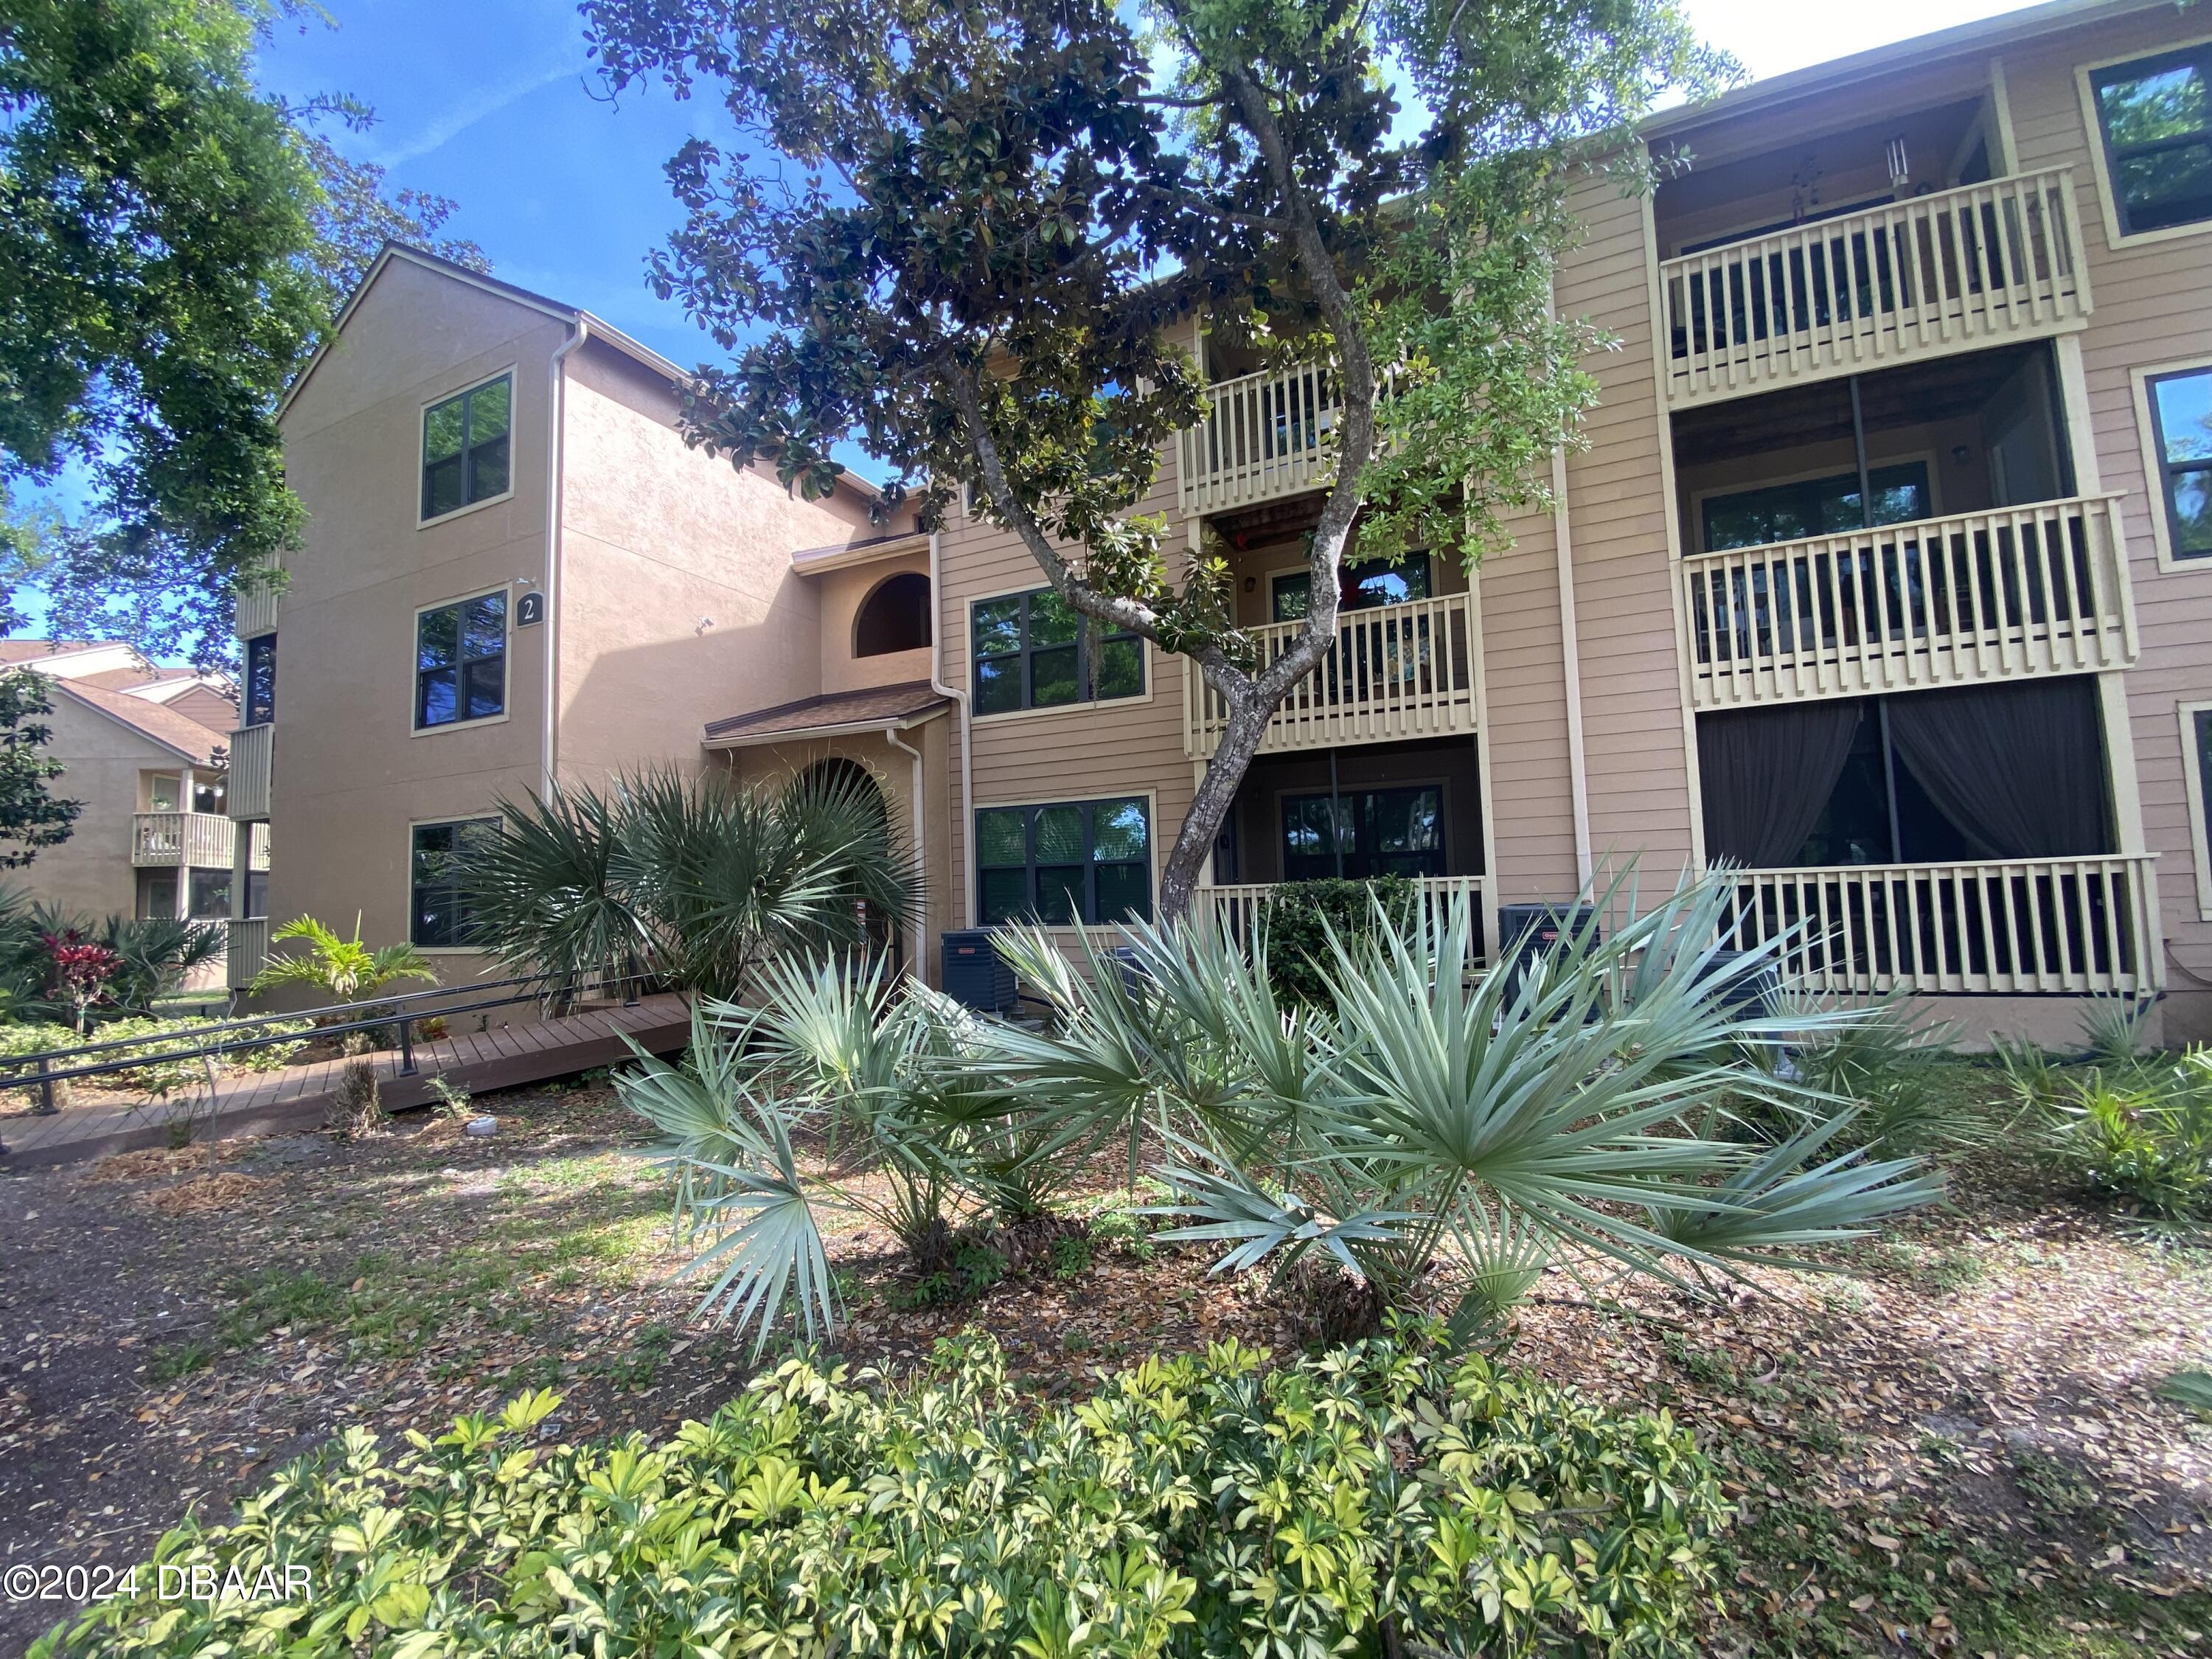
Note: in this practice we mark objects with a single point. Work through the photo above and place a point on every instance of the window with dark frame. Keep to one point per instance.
(261, 679)
(1037, 651)
(2181, 425)
(1066, 863)
(2202, 720)
(460, 661)
(2156, 114)
(209, 895)
(438, 918)
(466, 455)
(1362, 585)
(1364, 833)
(1815, 506)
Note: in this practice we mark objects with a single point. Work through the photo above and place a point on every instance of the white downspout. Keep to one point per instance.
(967, 747)
(1570, 654)
(918, 929)
(556, 447)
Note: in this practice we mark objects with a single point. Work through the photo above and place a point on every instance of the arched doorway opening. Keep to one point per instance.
(895, 617)
(841, 775)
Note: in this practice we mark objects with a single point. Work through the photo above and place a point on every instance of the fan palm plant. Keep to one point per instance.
(1489, 1124)
(876, 1080)
(685, 879)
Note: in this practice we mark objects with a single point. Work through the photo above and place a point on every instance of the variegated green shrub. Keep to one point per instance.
(1193, 1506)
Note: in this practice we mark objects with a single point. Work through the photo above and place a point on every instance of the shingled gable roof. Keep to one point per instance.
(181, 734)
(877, 708)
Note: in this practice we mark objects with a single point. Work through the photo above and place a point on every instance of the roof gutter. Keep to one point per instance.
(810, 733)
(967, 725)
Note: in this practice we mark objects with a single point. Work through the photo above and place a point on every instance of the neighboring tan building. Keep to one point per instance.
(1885, 575)
(144, 750)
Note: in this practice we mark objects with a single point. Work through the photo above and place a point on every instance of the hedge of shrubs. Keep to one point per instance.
(1193, 1506)
(162, 1035)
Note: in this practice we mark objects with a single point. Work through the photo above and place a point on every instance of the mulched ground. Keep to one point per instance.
(1954, 1450)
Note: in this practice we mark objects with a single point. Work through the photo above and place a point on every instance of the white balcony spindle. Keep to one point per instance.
(2069, 926)
(1396, 672)
(1916, 278)
(2040, 589)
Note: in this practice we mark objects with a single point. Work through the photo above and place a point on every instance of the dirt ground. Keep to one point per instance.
(1955, 1447)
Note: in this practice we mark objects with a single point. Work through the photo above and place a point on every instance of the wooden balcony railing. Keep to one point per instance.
(1978, 596)
(1262, 439)
(1239, 905)
(249, 949)
(1396, 672)
(253, 753)
(2074, 925)
(256, 609)
(193, 841)
(1919, 277)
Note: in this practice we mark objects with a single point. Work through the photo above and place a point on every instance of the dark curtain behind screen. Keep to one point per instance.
(1766, 775)
(2019, 769)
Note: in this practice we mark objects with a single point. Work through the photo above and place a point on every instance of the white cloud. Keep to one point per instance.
(451, 123)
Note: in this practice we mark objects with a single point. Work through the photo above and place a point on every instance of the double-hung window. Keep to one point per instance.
(261, 679)
(1037, 651)
(2181, 426)
(2156, 117)
(1074, 861)
(460, 661)
(438, 915)
(466, 455)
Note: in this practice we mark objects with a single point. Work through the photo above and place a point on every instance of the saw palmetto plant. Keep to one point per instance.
(1603, 1109)
(843, 1091)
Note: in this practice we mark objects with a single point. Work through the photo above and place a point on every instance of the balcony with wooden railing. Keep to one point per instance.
(252, 754)
(1263, 438)
(257, 607)
(1950, 271)
(2002, 594)
(2070, 926)
(248, 953)
(192, 841)
(1394, 672)
(1241, 906)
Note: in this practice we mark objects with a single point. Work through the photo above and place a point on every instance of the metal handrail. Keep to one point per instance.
(41, 1072)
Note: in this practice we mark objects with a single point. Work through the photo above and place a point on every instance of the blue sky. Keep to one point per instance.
(494, 103)
(491, 102)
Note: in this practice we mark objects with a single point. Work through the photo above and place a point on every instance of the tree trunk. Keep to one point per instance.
(1249, 710)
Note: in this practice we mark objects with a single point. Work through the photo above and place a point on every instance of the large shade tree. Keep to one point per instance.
(971, 237)
(174, 241)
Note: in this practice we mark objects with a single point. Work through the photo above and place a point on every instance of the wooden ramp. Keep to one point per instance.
(301, 1097)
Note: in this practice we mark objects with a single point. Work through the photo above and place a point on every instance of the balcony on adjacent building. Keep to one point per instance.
(1396, 671)
(192, 841)
(248, 952)
(251, 754)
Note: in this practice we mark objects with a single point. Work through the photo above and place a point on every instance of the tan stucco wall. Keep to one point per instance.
(91, 872)
(840, 593)
(677, 602)
(351, 774)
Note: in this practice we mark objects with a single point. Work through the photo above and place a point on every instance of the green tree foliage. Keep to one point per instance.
(1379, 1500)
(31, 816)
(341, 970)
(173, 242)
(970, 238)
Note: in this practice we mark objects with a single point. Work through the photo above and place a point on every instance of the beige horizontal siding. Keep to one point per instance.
(2153, 307)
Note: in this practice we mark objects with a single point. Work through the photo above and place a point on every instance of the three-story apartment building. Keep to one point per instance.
(1884, 576)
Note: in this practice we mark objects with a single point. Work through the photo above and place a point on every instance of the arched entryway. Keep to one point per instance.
(843, 775)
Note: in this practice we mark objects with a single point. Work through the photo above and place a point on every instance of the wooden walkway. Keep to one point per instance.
(301, 1097)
